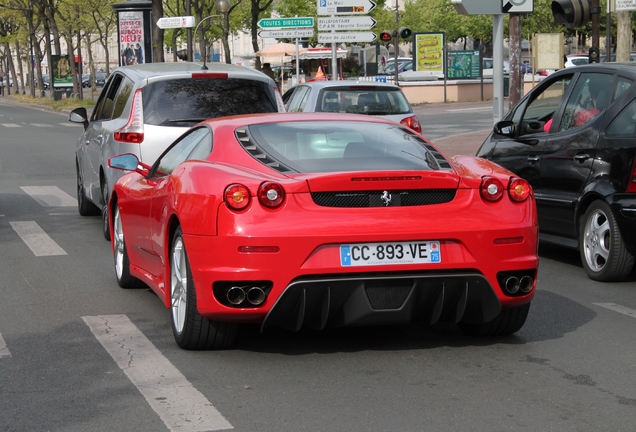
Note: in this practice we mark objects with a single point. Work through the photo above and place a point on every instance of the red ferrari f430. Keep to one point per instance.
(316, 220)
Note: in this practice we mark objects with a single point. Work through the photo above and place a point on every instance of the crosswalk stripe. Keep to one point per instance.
(4, 351)
(618, 308)
(70, 124)
(50, 196)
(40, 124)
(36, 239)
(177, 402)
(10, 125)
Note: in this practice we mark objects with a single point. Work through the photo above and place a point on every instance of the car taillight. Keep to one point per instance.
(271, 194)
(133, 131)
(491, 189)
(631, 187)
(518, 189)
(412, 123)
(237, 196)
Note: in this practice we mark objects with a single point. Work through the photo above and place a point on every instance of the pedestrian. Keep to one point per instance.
(267, 70)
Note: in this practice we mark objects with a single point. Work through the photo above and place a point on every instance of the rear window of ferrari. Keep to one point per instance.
(333, 146)
(178, 101)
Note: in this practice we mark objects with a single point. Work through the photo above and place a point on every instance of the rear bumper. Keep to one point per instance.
(377, 299)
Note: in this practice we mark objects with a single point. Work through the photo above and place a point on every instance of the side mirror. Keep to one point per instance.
(505, 127)
(124, 162)
(79, 115)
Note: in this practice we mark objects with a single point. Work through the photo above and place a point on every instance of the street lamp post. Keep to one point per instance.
(221, 6)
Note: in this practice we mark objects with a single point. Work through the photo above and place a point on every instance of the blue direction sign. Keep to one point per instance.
(279, 23)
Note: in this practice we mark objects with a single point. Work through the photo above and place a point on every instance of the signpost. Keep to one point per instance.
(346, 23)
(344, 7)
(286, 34)
(346, 37)
(176, 22)
(279, 23)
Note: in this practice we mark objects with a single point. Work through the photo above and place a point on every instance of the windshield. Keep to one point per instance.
(363, 100)
(333, 146)
(173, 102)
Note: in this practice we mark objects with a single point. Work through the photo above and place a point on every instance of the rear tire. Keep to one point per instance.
(84, 206)
(122, 262)
(191, 330)
(603, 253)
(105, 216)
(508, 321)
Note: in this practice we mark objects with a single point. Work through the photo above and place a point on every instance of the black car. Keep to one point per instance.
(573, 137)
(100, 79)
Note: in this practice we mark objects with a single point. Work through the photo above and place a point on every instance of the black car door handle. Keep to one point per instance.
(533, 158)
(581, 157)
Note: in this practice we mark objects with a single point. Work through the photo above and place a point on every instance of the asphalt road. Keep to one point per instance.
(63, 321)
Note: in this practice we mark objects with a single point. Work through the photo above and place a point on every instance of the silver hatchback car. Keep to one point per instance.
(144, 108)
(371, 98)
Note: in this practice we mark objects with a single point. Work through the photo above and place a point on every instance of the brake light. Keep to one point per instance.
(631, 186)
(209, 75)
(133, 131)
(413, 123)
(271, 194)
(237, 196)
(518, 189)
(491, 189)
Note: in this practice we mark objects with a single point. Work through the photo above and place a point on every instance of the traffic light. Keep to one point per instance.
(572, 13)
(182, 54)
(594, 55)
(405, 32)
(386, 36)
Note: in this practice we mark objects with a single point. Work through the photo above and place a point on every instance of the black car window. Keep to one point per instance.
(106, 102)
(194, 145)
(182, 102)
(123, 95)
(622, 84)
(624, 124)
(535, 115)
(589, 98)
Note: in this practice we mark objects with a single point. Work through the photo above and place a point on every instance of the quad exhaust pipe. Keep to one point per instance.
(255, 295)
(513, 284)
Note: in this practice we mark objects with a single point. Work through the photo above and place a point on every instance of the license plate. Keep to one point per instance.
(367, 254)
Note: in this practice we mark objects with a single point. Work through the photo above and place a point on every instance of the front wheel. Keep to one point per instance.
(191, 330)
(508, 321)
(603, 252)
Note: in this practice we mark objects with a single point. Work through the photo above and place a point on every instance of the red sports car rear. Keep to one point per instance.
(316, 220)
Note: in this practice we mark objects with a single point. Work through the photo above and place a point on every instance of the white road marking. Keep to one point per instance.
(10, 125)
(69, 124)
(36, 239)
(4, 351)
(181, 406)
(618, 308)
(466, 109)
(40, 125)
(50, 196)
